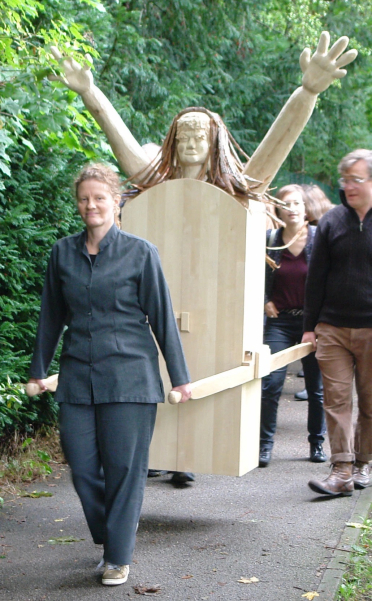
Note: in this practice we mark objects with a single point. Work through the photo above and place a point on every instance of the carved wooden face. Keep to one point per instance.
(193, 138)
(192, 146)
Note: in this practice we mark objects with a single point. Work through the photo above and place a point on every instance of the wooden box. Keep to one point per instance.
(213, 255)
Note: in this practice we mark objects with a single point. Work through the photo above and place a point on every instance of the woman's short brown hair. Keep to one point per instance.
(102, 173)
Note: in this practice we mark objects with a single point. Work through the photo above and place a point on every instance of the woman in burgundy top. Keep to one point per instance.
(284, 301)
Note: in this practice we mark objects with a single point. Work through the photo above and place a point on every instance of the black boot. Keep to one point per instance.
(317, 455)
(265, 457)
(182, 477)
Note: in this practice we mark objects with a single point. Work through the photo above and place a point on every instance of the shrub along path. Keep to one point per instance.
(205, 541)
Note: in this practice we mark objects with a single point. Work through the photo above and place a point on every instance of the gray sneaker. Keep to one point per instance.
(114, 574)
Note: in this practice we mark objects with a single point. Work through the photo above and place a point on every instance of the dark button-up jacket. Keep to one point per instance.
(107, 309)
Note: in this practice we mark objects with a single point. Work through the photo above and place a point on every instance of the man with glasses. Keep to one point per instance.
(338, 322)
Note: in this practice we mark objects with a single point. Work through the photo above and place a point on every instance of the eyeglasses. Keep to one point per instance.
(355, 181)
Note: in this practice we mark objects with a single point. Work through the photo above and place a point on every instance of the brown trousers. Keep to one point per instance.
(343, 353)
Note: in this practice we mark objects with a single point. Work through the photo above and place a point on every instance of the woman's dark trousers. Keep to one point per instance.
(107, 448)
(281, 333)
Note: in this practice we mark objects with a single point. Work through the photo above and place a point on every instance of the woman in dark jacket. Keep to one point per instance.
(105, 288)
(284, 298)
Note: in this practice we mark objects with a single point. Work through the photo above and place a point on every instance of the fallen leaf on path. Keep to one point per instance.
(187, 576)
(358, 525)
(64, 540)
(311, 595)
(248, 580)
(35, 494)
(146, 590)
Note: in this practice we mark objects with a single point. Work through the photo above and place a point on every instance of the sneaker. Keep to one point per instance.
(301, 395)
(114, 574)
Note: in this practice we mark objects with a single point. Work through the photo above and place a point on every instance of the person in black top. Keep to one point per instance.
(338, 312)
(103, 290)
(290, 249)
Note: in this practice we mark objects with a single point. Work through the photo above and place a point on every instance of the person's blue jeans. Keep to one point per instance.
(281, 333)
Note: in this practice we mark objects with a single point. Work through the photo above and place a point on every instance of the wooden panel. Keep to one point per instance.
(212, 251)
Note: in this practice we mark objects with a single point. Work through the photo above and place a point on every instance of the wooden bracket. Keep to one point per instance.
(247, 358)
(184, 318)
(262, 365)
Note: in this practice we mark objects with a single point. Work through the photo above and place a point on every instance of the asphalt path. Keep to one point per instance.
(195, 541)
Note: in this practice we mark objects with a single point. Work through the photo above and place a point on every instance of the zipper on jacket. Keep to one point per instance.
(361, 226)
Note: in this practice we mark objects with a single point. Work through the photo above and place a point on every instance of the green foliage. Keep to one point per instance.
(30, 107)
(28, 463)
(45, 136)
(341, 120)
(37, 208)
(10, 402)
(357, 581)
(163, 56)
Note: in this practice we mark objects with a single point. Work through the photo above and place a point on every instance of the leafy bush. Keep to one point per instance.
(37, 209)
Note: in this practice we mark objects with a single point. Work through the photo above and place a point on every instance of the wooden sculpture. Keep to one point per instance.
(211, 240)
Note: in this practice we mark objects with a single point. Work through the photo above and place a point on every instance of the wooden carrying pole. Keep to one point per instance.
(217, 383)
(241, 375)
(32, 389)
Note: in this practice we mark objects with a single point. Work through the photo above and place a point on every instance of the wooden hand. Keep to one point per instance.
(321, 69)
(77, 77)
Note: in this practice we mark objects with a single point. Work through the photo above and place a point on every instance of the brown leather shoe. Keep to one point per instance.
(361, 474)
(339, 482)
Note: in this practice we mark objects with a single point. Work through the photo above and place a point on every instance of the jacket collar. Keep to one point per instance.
(346, 204)
(106, 240)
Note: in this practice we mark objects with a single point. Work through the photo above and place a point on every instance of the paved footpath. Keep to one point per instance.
(195, 542)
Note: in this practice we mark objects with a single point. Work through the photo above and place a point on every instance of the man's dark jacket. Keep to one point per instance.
(339, 281)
